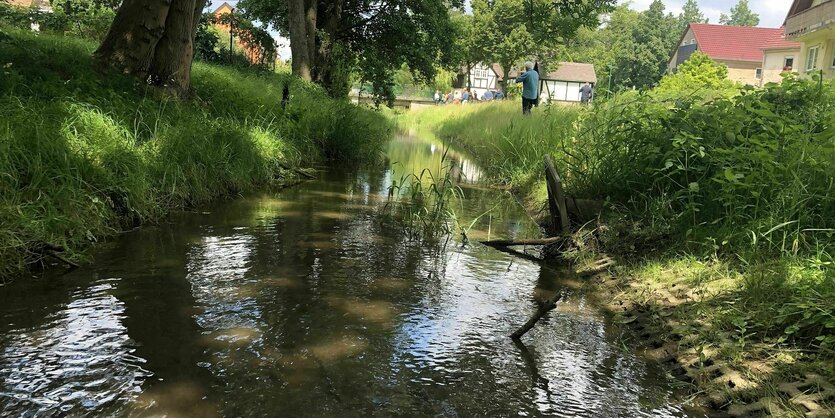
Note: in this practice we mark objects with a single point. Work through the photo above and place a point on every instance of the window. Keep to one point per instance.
(759, 73)
(692, 42)
(812, 58)
(788, 63)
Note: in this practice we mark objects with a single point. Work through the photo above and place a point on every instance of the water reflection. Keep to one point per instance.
(80, 359)
(303, 303)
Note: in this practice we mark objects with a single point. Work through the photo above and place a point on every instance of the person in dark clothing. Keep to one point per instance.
(530, 88)
(586, 93)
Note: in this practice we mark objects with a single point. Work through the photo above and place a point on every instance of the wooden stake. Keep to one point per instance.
(556, 197)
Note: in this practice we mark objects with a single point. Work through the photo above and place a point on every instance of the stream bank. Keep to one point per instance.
(757, 321)
(305, 301)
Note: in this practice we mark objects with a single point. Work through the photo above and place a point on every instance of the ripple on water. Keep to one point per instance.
(79, 359)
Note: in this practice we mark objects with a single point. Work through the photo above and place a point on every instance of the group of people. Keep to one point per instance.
(530, 92)
(466, 96)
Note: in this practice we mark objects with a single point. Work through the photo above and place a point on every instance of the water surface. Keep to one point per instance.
(306, 302)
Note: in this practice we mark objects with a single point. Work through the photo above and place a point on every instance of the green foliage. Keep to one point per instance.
(423, 204)
(83, 155)
(259, 45)
(690, 13)
(81, 18)
(699, 72)
(631, 50)
(372, 39)
(741, 176)
(508, 31)
(741, 15)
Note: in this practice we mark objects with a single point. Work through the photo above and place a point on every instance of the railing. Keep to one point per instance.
(811, 20)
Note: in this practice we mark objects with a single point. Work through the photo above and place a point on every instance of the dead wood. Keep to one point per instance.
(543, 309)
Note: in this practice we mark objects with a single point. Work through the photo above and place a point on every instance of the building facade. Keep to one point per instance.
(742, 49)
(811, 23)
(482, 78)
(563, 84)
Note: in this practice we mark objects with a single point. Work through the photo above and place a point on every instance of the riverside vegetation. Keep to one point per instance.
(720, 207)
(85, 155)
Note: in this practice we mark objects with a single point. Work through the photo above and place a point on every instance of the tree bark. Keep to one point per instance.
(174, 53)
(132, 39)
(301, 16)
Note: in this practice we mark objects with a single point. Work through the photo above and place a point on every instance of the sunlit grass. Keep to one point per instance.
(84, 155)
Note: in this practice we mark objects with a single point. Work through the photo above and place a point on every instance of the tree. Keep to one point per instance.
(641, 60)
(330, 39)
(690, 13)
(741, 15)
(510, 30)
(153, 39)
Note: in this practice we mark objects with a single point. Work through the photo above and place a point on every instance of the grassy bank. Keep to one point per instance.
(84, 155)
(720, 210)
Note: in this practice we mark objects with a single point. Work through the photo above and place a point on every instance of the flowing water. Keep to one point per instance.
(307, 302)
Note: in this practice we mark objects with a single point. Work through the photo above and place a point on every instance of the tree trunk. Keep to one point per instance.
(503, 84)
(173, 55)
(301, 14)
(330, 68)
(130, 43)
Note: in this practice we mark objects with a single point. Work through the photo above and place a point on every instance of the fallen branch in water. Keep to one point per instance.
(543, 309)
(297, 171)
(62, 259)
(513, 242)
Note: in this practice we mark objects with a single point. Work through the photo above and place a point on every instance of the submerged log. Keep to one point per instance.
(297, 171)
(512, 242)
(543, 309)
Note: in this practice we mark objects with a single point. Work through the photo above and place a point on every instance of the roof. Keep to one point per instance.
(223, 5)
(778, 41)
(733, 43)
(498, 70)
(573, 71)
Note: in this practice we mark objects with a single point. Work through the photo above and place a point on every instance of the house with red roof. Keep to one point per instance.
(741, 48)
(779, 55)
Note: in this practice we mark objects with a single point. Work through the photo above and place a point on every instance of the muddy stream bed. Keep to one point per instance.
(303, 302)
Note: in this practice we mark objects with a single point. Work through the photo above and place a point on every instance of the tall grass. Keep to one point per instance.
(745, 178)
(499, 136)
(83, 155)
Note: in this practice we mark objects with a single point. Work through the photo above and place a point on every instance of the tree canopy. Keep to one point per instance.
(332, 39)
(507, 31)
(741, 15)
(690, 13)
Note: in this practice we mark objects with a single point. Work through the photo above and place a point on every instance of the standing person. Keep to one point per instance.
(465, 96)
(530, 88)
(586, 93)
(449, 97)
(437, 97)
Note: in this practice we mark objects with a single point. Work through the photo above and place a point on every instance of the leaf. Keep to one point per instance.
(694, 187)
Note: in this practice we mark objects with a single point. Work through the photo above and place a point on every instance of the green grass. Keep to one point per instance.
(84, 155)
(731, 194)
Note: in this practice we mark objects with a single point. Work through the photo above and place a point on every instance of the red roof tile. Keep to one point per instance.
(735, 43)
(778, 41)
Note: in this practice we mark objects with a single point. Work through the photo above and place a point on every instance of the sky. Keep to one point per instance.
(772, 12)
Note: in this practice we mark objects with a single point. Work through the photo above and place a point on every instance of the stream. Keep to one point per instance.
(306, 302)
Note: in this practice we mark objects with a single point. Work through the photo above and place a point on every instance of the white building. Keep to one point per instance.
(483, 78)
